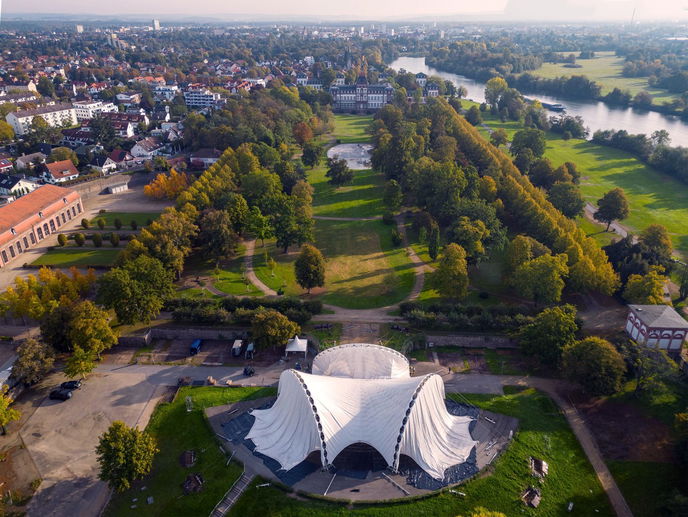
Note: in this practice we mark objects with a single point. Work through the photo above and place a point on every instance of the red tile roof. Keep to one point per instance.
(22, 214)
(61, 169)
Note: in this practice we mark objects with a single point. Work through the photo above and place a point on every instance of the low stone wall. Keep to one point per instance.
(471, 340)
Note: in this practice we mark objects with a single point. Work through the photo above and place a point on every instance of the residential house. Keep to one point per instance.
(16, 186)
(6, 166)
(55, 116)
(59, 172)
(29, 86)
(129, 98)
(76, 137)
(17, 98)
(147, 148)
(27, 161)
(103, 164)
(121, 158)
(33, 217)
(89, 109)
(204, 157)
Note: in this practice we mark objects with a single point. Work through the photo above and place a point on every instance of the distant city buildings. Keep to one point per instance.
(156, 25)
(55, 115)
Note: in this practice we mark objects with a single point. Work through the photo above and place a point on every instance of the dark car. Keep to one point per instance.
(71, 385)
(61, 394)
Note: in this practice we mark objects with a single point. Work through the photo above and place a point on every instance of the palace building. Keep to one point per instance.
(361, 97)
(33, 217)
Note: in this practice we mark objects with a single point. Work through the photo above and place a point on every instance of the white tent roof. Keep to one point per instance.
(361, 361)
(400, 415)
(296, 344)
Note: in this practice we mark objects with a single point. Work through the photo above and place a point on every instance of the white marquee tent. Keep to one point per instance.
(353, 401)
(297, 344)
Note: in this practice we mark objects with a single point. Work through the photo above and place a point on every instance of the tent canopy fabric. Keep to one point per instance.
(361, 361)
(296, 344)
(395, 415)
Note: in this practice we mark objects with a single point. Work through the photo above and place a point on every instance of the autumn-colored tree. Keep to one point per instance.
(647, 289)
(7, 413)
(541, 279)
(302, 133)
(167, 185)
(271, 329)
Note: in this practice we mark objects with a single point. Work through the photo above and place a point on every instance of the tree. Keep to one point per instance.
(62, 240)
(80, 363)
(137, 290)
(101, 223)
(310, 268)
(338, 171)
(651, 367)
(80, 239)
(114, 239)
(434, 241)
(217, 237)
(271, 329)
(7, 413)
(85, 224)
(97, 240)
(470, 234)
(646, 289)
(118, 223)
(393, 196)
(499, 137)
(167, 185)
(302, 133)
(55, 327)
(567, 198)
(63, 153)
(259, 225)
(450, 278)
(6, 132)
(34, 361)
(90, 329)
(541, 279)
(612, 206)
(547, 335)
(473, 116)
(524, 159)
(46, 87)
(484, 512)
(494, 88)
(595, 364)
(313, 153)
(530, 138)
(656, 237)
(124, 455)
(103, 131)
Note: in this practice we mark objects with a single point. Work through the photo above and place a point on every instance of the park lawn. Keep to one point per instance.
(351, 129)
(606, 70)
(543, 433)
(283, 276)
(364, 269)
(596, 231)
(361, 198)
(646, 486)
(230, 278)
(176, 431)
(654, 197)
(141, 218)
(67, 257)
(196, 293)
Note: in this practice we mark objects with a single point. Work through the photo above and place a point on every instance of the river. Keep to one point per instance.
(597, 115)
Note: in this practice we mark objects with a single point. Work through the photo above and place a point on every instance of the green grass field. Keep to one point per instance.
(67, 257)
(543, 432)
(646, 486)
(654, 197)
(282, 277)
(362, 198)
(176, 431)
(351, 129)
(141, 218)
(605, 69)
(228, 277)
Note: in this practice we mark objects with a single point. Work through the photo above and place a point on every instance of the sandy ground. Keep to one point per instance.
(357, 156)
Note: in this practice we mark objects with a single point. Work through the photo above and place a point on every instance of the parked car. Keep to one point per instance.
(71, 385)
(60, 394)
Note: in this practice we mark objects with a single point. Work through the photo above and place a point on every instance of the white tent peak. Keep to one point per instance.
(395, 414)
(296, 344)
(361, 361)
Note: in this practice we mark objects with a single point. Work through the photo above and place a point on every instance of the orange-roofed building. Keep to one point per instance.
(33, 217)
(59, 172)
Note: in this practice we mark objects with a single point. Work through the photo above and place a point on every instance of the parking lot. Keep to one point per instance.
(61, 438)
(214, 352)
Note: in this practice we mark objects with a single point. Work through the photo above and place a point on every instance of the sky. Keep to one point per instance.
(519, 10)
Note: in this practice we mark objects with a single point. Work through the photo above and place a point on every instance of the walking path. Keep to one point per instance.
(251, 274)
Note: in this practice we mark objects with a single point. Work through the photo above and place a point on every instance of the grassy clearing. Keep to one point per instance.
(228, 277)
(196, 293)
(141, 218)
(283, 275)
(364, 268)
(596, 231)
(326, 337)
(176, 431)
(67, 257)
(362, 198)
(351, 129)
(543, 432)
(646, 486)
(605, 69)
(654, 197)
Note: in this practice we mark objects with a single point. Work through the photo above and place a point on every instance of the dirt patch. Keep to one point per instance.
(463, 361)
(623, 432)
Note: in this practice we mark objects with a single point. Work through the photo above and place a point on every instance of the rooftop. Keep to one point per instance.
(662, 316)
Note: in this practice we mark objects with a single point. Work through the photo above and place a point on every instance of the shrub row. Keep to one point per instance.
(471, 318)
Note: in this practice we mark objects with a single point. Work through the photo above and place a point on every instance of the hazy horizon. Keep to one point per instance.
(503, 10)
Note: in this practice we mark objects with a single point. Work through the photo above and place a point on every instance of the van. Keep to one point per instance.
(195, 347)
